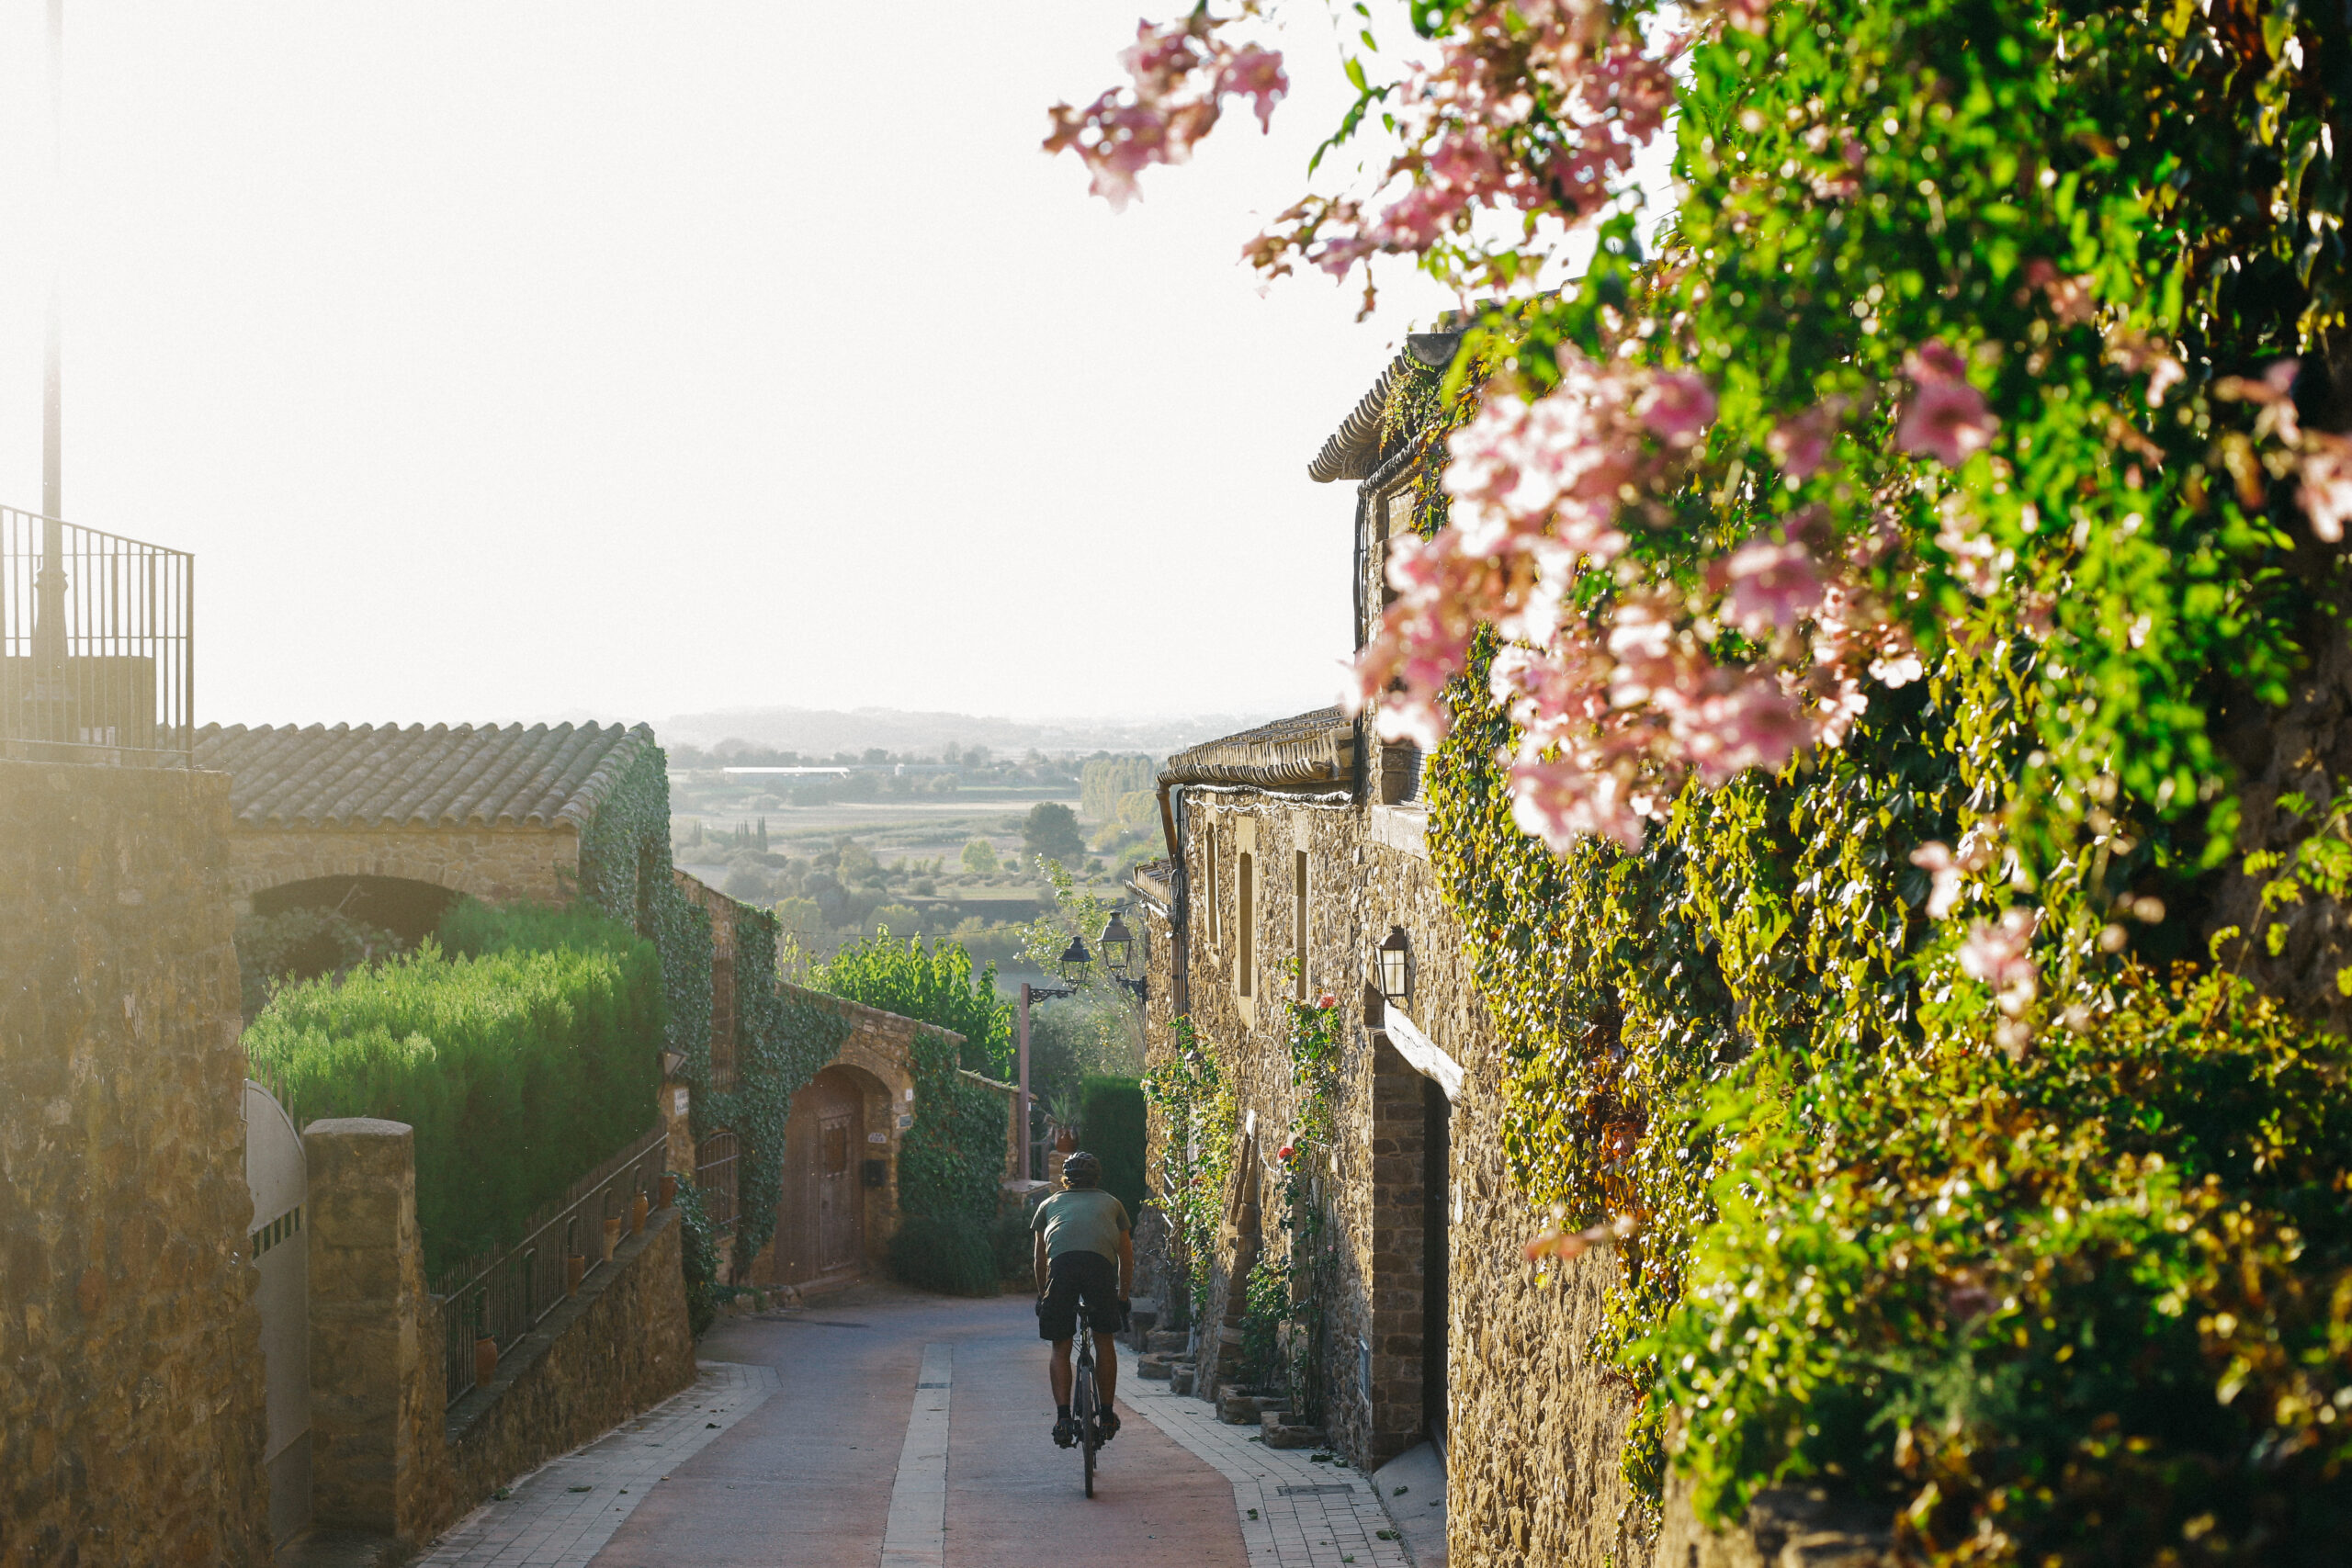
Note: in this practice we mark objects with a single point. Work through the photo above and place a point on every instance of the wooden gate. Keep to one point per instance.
(279, 1178)
(820, 1212)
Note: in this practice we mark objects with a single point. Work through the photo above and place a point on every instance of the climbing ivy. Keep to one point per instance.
(1286, 1327)
(1200, 1126)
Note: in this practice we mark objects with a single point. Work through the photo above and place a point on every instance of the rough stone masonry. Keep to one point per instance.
(130, 1371)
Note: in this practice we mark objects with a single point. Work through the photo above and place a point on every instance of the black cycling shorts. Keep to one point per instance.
(1074, 1277)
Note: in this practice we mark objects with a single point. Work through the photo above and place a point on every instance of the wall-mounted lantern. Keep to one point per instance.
(1075, 962)
(1394, 959)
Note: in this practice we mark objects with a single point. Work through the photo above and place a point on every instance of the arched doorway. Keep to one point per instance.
(821, 1209)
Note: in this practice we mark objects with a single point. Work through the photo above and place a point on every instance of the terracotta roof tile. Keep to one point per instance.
(440, 776)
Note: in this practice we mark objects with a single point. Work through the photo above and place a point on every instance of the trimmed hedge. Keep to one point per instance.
(522, 1046)
(1111, 1126)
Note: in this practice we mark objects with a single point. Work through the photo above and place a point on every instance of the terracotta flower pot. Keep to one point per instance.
(1065, 1141)
(575, 1265)
(669, 1188)
(637, 1213)
(485, 1359)
(612, 1236)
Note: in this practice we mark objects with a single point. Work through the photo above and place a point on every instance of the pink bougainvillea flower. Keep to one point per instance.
(1935, 857)
(1256, 74)
(1326, 1001)
(2002, 957)
(1802, 445)
(2326, 493)
(1678, 408)
(1935, 360)
(1947, 419)
(1770, 586)
(1565, 1245)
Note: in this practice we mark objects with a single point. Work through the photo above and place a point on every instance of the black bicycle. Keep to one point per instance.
(1082, 1404)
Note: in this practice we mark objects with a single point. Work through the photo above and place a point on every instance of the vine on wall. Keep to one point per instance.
(1286, 1329)
(1201, 1126)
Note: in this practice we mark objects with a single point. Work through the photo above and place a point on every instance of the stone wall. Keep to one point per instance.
(500, 865)
(132, 1424)
(386, 1454)
(1534, 1425)
(618, 1346)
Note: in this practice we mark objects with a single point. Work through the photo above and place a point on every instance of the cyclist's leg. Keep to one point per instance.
(1106, 1365)
(1060, 1373)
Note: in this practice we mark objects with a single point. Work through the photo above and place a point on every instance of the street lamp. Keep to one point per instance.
(1075, 962)
(1396, 970)
(1118, 955)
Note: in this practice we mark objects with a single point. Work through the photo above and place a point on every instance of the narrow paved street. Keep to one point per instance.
(880, 1427)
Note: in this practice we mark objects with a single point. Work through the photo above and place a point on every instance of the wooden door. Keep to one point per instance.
(820, 1212)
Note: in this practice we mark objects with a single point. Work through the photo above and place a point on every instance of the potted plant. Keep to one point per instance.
(637, 1213)
(669, 1187)
(612, 1236)
(575, 1265)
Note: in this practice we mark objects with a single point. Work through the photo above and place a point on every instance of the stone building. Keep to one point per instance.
(390, 822)
(1297, 850)
(837, 1204)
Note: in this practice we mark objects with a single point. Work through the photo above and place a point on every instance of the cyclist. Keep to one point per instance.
(1085, 1255)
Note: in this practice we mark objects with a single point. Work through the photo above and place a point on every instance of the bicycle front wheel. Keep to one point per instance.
(1086, 1432)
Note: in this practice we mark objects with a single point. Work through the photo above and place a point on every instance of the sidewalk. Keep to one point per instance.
(1295, 1511)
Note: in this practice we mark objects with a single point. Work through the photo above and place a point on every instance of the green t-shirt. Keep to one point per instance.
(1080, 1220)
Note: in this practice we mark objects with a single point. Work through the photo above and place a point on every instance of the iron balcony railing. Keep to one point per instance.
(98, 652)
(502, 1296)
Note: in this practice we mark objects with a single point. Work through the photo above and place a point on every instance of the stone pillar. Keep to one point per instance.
(376, 1375)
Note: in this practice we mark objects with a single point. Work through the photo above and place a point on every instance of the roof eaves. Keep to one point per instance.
(1353, 452)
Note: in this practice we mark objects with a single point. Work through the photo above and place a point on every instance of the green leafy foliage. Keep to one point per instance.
(934, 984)
(697, 1255)
(304, 944)
(1200, 1122)
(519, 1066)
(953, 1157)
(1050, 831)
(1746, 1041)
(1111, 1122)
(956, 1255)
(2091, 1306)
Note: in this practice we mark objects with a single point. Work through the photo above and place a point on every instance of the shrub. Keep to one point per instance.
(697, 1256)
(2093, 1304)
(955, 1255)
(304, 944)
(1111, 1126)
(522, 1055)
(935, 985)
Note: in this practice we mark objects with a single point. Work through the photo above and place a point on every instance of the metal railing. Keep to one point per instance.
(502, 1296)
(715, 1175)
(97, 650)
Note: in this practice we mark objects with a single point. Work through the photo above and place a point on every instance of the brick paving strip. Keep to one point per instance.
(1295, 1513)
(916, 1535)
(561, 1514)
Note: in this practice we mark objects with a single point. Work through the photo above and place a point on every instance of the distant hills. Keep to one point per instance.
(823, 732)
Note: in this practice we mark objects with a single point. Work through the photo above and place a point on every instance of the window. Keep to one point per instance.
(1244, 918)
(1299, 922)
(1217, 909)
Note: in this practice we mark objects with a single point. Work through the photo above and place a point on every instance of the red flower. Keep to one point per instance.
(1284, 1151)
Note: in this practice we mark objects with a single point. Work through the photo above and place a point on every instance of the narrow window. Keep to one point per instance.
(1216, 915)
(1298, 921)
(1243, 916)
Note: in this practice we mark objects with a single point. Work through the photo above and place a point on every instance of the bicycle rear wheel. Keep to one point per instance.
(1084, 1404)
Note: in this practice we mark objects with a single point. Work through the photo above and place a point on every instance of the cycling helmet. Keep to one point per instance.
(1081, 1169)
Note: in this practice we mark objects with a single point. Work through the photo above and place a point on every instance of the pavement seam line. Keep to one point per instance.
(916, 1535)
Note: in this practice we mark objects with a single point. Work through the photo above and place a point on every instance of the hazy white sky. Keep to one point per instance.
(500, 360)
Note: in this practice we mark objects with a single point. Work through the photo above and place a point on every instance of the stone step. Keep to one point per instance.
(1280, 1436)
(1248, 1409)
(1180, 1380)
(1154, 1367)
(1168, 1339)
